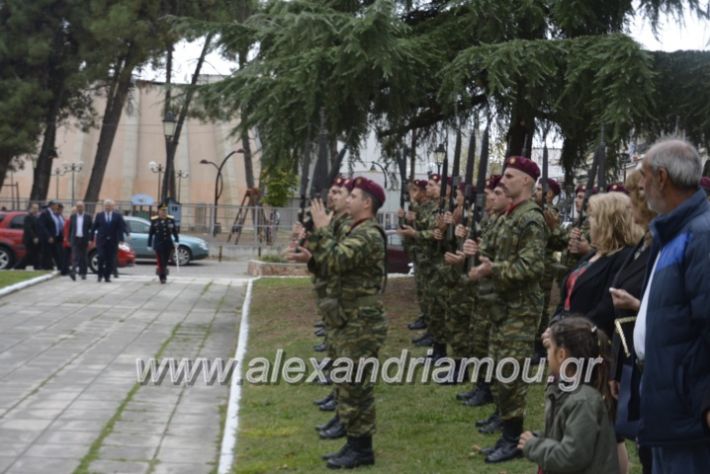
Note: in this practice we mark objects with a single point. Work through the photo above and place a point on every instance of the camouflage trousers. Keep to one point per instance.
(511, 337)
(360, 338)
(420, 283)
(434, 298)
(459, 312)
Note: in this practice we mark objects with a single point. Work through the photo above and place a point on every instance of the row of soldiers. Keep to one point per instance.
(481, 295)
(345, 250)
(478, 296)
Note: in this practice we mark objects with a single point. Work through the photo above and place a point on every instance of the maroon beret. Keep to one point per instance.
(435, 177)
(348, 184)
(616, 187)
(582, 188)
(526, 165)
(339, 182)
(420, 183)
(370, 187)
(705, 183)
(553, 186)
(493, 181)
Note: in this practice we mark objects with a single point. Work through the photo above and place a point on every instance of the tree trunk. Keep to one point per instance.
(168, 175)
(413, 157)
(246, 144)
(169, 178)
(116, 98)
(43, 170)
(522, 127)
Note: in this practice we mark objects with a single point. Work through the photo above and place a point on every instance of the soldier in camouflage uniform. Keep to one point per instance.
(516, 271)
(557, 241)
(484, 292)
(418, 207)
(357, 259)
(323, 284)
(422, 234)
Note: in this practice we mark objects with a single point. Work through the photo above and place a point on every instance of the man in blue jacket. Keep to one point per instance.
(672, 332)
(108, 227)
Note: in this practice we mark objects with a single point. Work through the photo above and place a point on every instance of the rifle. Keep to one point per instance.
(442, 189)
(545, 186)
(468, 177)
(454, 183)
(479, 194)
(403, 192)
(596, 162)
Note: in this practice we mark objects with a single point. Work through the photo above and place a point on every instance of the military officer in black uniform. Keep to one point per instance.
(163, 232)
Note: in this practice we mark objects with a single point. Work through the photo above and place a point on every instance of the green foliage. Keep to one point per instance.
(279, 183)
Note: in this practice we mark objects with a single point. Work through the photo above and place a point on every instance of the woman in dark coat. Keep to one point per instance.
(585, 290)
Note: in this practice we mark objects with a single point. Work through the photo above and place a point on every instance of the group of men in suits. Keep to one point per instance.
(51, 241)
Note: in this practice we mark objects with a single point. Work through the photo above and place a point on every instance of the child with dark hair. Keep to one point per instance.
(579, 433)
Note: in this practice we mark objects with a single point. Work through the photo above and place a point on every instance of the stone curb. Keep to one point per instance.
(26, 284)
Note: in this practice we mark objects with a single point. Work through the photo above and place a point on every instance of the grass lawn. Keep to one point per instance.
(421, 427)
(8, 277)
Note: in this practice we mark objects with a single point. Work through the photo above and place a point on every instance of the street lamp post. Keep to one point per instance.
(181, 175)
(169, 126)
(72, 168)
(157, 168)
(57, 172)
(439, 157)
(218, 185)
(384, 171)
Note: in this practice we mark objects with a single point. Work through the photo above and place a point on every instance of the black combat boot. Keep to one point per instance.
(438, 351)
(483, 396)
(328, 406)
(330, 396)
(329, 424)
(463, 396)
(420, 323)
(454, 380)
(319, 324)
(357, 452)
(494, 426)
(486, 421)
(320, 332)
(339, 452)
(337, 430)
(425, 340)
(322, 347)
(508, 447)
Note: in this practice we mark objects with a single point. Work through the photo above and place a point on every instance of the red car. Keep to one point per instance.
(12, 249)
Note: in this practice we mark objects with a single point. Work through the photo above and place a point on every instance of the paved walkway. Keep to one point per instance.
(68, 384)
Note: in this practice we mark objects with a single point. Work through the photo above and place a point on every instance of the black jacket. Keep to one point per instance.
(49, 227)
(30, 230)
(590, 295)
(86, 228)
(108, 232)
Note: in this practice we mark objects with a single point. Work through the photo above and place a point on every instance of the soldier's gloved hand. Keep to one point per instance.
(448, 218)
(461, 231)
(407, 231)
(321, 217)
(411, 216)
(470, 247)
(299, 254)
(454, 258)
(438, 234)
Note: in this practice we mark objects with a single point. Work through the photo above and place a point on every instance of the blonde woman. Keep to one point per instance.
(585, 290)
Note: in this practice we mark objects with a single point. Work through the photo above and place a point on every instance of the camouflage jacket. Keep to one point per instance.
(321, 279)
(425, 224)
(519, 253)
(356, 258)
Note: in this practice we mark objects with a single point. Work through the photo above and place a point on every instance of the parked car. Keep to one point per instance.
(12, 249)
(190, 247)
(397, 259)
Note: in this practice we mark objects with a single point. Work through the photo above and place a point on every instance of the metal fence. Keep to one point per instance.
(246, 226)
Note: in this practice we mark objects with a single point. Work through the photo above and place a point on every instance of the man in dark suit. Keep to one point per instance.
(108, 227)
(79, 236)
(53, 224)
(31, 240)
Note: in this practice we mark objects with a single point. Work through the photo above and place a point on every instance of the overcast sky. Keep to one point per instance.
(690, 33)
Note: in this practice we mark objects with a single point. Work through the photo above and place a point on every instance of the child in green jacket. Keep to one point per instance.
(579, 434)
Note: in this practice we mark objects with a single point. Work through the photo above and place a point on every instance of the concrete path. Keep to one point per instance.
(68, 378)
